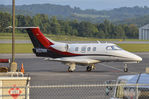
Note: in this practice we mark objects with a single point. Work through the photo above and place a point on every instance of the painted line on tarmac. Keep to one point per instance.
(111, 67)
(115, 68)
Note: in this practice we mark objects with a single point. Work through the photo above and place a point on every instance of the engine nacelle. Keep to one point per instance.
(61, 47)
(40, 50)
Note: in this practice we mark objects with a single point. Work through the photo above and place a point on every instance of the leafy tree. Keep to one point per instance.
(70, 27)
(119, 32)
(55, 26)
(5, 21)
(133, 31)
(87, 29)
(43, 22)
(100, 34)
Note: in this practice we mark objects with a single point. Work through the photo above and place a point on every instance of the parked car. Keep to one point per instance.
(131, 87)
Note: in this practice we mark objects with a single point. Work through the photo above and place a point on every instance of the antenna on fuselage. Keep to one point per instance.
(101, 42)
(98, 41)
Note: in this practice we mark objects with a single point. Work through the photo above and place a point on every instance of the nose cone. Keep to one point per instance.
(131, 57)
(135, 57)
(138, 58)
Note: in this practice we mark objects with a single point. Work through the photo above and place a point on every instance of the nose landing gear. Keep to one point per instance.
(125, 68)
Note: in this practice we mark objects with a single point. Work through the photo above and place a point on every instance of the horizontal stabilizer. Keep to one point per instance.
(22, 27)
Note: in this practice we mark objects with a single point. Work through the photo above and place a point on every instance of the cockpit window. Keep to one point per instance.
(109, 48)
(114, 47)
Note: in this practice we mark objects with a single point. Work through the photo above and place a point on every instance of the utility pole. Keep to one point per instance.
(13, 66)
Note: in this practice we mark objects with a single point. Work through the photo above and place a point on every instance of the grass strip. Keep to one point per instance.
(19, 48)
(27, 48)
(24, 36)
(135, 47)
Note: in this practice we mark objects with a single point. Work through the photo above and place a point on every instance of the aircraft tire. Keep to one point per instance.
(89, 68)
(69, 70)
(125, 69)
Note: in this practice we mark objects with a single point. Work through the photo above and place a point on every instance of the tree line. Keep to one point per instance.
(52, 25)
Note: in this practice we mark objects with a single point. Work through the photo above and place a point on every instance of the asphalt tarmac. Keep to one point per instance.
(45, 73)
(41, 70)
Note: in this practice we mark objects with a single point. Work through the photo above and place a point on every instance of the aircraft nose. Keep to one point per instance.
(134, 57)
(137, 58)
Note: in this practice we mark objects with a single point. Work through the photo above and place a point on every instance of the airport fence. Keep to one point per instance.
(77, 91)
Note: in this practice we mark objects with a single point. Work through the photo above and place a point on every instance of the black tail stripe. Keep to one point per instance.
(34, 40)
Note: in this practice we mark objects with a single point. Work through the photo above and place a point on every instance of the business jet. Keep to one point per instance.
(87, 54)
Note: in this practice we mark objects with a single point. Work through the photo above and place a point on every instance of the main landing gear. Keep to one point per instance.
(90, 68)
(125, 68)
(72, 67)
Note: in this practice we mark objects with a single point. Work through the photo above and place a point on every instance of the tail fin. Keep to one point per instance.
(37, 38)
(40, 42)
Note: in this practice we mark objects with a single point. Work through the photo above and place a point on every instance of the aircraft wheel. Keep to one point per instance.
(125, 69)
(89, 68)
(70, 70)
(72, 67)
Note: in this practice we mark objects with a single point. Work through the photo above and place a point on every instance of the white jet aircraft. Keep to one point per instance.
(87, 54)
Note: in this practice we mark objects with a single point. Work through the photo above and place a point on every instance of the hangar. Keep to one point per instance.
(144, 32)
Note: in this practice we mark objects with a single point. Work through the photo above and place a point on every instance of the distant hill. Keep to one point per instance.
(66, 12)
(140, 21)
(49, 9)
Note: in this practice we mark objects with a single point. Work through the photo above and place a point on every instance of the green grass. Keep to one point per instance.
(24, 36)
(18, 36)
(27, 48)
(19, 48)
(135, 47)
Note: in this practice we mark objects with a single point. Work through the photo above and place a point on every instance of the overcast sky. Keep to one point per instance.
(85, 4)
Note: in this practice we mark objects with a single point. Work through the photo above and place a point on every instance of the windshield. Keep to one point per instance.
(114, 47)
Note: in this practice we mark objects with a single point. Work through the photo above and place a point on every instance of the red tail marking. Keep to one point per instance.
(43, 40)
(46, 43)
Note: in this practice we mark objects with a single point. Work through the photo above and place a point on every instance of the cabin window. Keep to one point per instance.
(77, 49)
(94, 48)
(83, 49)
(89, 49)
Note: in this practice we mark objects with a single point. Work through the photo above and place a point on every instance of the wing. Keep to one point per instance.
(74, 60)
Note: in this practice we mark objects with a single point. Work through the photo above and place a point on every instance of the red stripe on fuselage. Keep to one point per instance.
(42, 39)
(63, 53)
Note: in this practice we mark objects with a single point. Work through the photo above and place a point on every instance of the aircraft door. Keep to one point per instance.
(67, 47)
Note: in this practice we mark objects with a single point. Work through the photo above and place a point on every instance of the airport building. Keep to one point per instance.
(144, 32)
